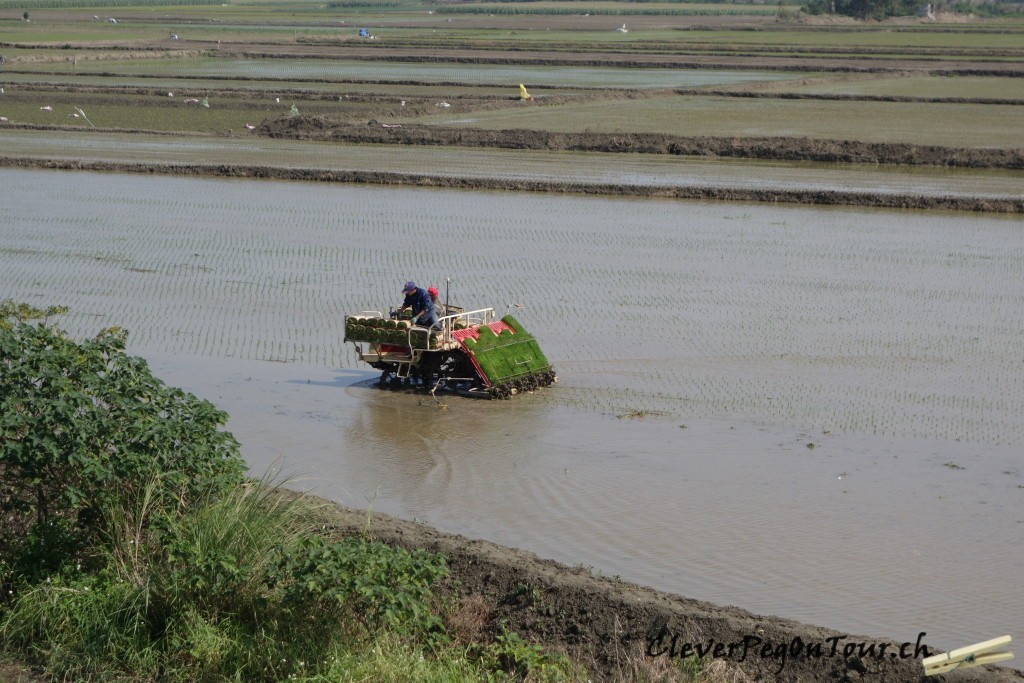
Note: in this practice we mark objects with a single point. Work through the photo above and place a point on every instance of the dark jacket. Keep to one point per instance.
(420, 303)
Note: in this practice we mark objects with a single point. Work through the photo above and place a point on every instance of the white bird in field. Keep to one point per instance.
(622, 29)
(47, 108)
(170, 94)
(250, 126)
(3, 119)
(278, 100)
(72, 116)
(443, 104)
(191, 100)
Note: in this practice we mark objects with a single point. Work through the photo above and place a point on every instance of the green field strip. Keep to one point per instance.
(919, 86)
(949, 124)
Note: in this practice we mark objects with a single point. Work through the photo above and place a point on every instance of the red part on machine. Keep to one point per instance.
(474, 332)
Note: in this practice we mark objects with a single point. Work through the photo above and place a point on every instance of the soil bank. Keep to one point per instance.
(616, 628)
(782, 148)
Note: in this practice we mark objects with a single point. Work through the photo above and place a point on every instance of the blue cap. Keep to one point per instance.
(409, 286)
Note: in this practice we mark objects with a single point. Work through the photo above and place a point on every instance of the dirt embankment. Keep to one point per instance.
(848, 97)
(618, 630)
(791, 149)
(486, 102)
(104, 53)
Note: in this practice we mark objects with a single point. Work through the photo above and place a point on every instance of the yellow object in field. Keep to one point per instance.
(523, 95)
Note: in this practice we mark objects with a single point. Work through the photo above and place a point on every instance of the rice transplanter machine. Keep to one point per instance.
(472, 352)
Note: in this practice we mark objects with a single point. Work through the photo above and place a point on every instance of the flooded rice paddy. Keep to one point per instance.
(814, 413)
(644, 170)
(425, 72)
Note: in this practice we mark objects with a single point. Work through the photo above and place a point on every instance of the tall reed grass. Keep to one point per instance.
(203, 601)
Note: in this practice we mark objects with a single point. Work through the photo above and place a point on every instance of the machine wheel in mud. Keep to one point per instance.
(528, 383)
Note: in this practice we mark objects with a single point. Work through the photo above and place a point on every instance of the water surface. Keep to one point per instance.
(815, 413)
(423, 72)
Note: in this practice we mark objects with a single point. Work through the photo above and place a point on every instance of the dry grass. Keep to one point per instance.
(637, 666)
(468, 623)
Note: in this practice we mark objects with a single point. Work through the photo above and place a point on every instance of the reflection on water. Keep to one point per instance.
(812, 413)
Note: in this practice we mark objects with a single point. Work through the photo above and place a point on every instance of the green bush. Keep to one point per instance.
(378, 584)
(863, 9)
(86, 428)
(521, 659)
(989, 9)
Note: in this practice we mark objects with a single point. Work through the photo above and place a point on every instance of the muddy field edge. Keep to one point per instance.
(603, 622)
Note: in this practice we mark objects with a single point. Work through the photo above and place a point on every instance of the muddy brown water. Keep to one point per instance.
(813, 413)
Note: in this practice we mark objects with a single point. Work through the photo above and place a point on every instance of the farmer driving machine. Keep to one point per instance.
(470, 352)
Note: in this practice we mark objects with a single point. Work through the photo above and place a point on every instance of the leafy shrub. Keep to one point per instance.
(46, 549)
(989, 9)
(381, 585)
(85, 428)
(863, 9)
(520, 659)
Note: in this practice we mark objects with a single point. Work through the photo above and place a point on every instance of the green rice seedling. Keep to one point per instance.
(508, 355)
